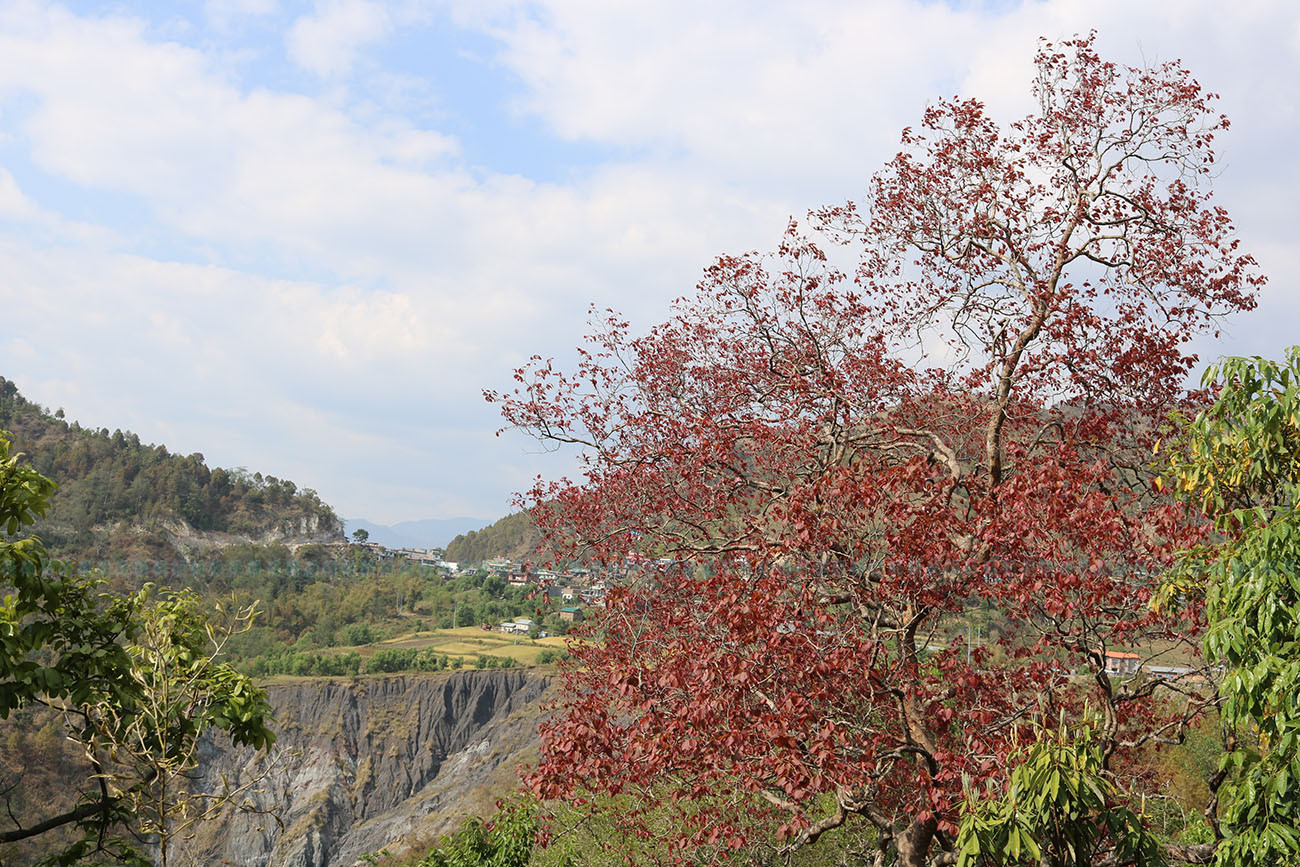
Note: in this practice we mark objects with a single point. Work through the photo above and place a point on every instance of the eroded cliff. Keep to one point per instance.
(367, 762)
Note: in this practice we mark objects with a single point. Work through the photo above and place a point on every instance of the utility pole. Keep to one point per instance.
(978, 631)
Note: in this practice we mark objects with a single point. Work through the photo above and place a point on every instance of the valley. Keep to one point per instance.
(393, 720)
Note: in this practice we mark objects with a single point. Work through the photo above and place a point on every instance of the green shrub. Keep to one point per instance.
(356, 633)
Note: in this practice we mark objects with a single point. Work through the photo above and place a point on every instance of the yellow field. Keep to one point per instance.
(469, 641)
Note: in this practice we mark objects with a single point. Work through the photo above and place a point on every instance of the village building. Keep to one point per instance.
(1121, 664)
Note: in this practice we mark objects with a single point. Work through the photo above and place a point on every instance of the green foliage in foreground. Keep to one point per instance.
(1240, 462)
(525, 833)
(1057, 809)
(135, 681)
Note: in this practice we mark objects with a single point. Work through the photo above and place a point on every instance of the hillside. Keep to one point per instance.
(121, 498)
(513, 537)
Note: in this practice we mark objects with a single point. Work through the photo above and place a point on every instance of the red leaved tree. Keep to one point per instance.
(811, 478)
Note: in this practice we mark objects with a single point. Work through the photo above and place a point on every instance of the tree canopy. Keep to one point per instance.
(930, 404)
(1240, 462)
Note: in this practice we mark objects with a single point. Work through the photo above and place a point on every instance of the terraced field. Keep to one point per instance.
(469, 641)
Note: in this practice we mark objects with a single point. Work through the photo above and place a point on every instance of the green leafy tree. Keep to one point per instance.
(1059, 810)
(506, 840)
(1240, 462)
(134, 679)
(181, 688)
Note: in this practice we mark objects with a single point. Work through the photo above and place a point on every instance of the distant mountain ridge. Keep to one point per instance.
(428, 533)
(119, 498)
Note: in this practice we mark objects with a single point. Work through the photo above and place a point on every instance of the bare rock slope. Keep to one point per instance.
(369, 762)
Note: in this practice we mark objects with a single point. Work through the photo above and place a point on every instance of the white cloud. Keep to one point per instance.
(117, 112)
(771, 95)
(13, 204)
(225, 12)
(327, 41)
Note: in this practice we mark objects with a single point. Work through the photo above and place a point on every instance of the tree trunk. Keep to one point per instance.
(913, 844)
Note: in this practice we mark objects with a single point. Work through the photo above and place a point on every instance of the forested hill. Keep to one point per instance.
(119, 497)
(514, 536)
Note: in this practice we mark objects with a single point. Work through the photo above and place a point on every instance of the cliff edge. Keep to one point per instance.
(361, 764)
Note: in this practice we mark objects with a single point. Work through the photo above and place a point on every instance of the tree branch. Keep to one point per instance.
(85, 811)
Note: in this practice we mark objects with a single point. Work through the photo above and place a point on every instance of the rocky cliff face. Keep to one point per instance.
(367, 762)
(293, 532)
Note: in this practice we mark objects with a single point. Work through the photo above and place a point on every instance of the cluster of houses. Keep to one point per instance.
(423, 556)
(575, 587)
(572, 588)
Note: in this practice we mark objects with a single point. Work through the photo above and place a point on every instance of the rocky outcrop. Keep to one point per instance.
(292, 532)
(360, 764)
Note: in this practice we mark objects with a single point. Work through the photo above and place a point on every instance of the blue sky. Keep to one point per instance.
(303, 237)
